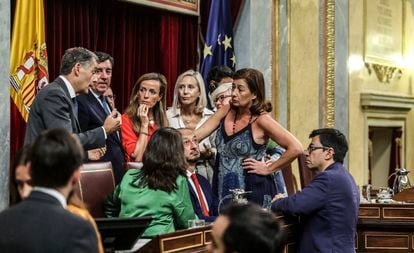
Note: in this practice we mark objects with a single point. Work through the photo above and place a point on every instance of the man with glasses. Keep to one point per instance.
(328, 206)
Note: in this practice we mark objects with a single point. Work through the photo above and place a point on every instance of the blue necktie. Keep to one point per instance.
(105, 105)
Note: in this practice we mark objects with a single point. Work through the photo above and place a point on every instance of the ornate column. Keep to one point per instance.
(4, 102)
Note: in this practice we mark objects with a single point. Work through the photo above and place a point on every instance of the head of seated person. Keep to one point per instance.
(246, 228)
(20, 178)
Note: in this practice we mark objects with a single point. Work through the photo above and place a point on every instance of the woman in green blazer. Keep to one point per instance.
(159, 189)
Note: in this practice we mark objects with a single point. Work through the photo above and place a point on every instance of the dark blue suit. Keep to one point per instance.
(92, 115)
(208, 193)
(328, 208)
(40, 224)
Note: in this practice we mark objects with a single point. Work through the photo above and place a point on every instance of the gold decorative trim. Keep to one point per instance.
(275, 59)
(162, 241)
(385, 236)
(205, 236)
(385, 74)
(329, 119)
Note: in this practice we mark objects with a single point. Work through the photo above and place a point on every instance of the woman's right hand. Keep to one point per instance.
(142, 114)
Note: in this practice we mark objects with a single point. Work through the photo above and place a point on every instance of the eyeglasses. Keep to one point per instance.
(311, 148)
(221, 98)
(111, 96)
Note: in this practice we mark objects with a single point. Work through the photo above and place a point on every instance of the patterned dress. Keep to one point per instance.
(229, 173)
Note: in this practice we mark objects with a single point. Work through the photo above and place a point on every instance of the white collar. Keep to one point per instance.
(52, 192)
(189, 173)
(93, 93)
(69, 86)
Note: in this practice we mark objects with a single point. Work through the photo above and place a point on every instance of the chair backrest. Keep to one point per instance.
(133, 165)
(306, 175)
(289, 178)
(96, 183)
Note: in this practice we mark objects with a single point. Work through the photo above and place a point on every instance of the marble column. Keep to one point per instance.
(4, 102)
(252, 39)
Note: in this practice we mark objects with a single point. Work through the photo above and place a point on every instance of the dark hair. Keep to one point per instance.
(216, 74)
(55, 155)
(102, 56)
(21, 158)
(255, 81)
(251, 229)
(332, 138)
(76, 55)
(163, 160)
(159, 108)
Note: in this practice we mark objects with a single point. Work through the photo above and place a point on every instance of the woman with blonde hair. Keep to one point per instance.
(144, 114)
(189, 111)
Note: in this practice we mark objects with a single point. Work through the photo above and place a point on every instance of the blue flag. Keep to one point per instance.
(218, 47)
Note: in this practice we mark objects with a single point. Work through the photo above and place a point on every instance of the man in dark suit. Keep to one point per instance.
(328, 206)
(41, 222)
(200, 189)
(55, 105)
(94, 108)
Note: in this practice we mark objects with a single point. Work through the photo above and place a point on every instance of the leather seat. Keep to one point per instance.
(306, 175)
(96, 183)
(134, 165)
(289, 178)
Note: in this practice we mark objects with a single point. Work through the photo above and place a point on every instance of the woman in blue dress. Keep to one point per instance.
(243, 132)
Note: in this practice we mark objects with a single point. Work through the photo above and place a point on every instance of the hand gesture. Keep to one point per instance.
(278, 196)
(112, 122)
(255, 166)
(96, 154)
(142, 114)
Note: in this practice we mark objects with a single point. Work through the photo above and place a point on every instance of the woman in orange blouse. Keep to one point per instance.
(144, 114)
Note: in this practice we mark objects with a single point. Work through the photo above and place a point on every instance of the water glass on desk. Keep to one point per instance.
(196, 223)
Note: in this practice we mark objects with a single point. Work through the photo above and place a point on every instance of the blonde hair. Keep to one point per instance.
(202, 100)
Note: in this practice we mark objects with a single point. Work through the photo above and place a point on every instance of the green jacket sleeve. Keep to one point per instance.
(112, 205)
(183, 209)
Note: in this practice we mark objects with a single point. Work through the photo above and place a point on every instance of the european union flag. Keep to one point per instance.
(218, 47)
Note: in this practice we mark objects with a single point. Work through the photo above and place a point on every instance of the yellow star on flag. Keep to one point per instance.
(227, 42)
(233, 59)
(207, 50)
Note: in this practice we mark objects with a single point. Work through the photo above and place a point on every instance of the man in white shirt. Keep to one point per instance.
(55, 105)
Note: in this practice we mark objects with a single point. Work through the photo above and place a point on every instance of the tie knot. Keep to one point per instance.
(102, 98)
(193, 176)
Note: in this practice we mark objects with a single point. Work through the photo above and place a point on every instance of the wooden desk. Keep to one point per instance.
(385, 228)
(196, 240)
(187, 240)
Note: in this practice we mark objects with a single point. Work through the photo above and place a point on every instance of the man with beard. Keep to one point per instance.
(200, 189)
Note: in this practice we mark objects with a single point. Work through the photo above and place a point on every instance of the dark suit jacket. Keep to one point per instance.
(41, 224)
(328, 208)
(92, 115)
(52, 108)
(208, 193)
